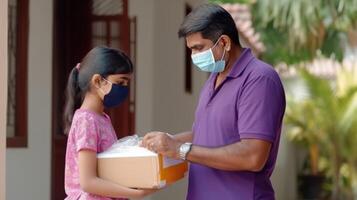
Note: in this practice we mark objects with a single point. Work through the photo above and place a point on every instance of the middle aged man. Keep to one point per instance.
(234, 141)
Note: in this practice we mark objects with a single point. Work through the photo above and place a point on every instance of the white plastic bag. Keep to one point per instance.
(127, 147)
(133, 140)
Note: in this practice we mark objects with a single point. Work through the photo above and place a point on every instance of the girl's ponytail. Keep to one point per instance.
(73, 99)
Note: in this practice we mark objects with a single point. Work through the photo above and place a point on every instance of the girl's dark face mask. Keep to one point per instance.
(116, 95)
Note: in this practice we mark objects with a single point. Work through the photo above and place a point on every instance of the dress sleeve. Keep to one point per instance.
(86, 134)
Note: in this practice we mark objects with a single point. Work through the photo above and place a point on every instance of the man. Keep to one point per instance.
(235, 137)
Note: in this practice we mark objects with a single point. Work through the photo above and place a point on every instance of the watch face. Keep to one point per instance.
(184, 148)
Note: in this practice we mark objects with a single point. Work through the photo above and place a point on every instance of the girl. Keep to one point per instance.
(99, 81)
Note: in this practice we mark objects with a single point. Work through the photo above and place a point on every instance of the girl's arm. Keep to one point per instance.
(92, 184)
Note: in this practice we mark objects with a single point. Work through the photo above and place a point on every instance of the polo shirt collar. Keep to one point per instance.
(242, 62)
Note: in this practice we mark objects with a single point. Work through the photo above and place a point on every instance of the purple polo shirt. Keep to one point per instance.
(249, 104)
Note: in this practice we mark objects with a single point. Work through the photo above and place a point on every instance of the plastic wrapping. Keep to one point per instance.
(128, 141)
(126, 147)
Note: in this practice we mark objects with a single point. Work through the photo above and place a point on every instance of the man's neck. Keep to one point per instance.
(234, 54)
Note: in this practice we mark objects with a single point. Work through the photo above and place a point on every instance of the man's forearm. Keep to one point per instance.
(245, 155)
(240, 156)
(184, 137)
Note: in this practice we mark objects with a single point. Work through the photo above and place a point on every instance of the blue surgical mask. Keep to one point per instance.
(205, 60)
(116, 95)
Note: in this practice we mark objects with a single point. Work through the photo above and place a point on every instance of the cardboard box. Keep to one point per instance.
(137, 167)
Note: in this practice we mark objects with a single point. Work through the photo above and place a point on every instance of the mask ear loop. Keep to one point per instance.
(216, 43)
(214, 47)
(107, 80)
(101, 88)
(224, 53)
(224, 50)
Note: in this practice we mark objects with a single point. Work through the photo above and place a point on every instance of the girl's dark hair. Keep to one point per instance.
(100, 60)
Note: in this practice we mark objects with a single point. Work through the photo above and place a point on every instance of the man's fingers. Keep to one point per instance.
(150, 144)
(155, 144)
(147, 137)
(155, 141)
(151, 135)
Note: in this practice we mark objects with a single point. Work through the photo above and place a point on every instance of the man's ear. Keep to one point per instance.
(96, 81)
(227, 42)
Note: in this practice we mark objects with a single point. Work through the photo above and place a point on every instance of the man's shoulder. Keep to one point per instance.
(260, 69)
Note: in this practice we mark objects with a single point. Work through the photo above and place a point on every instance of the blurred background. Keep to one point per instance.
(312, 45)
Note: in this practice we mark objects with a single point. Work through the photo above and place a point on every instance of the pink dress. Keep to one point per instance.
(90, 131)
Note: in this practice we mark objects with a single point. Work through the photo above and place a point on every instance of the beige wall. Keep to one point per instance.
(174, 108)
(28, 169)
(3, 94)
(144, 11)
(284, 176)
(162, 103)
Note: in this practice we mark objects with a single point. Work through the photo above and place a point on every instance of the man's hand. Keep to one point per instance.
(162, 143)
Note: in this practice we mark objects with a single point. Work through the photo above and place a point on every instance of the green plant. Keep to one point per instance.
(347, 88)
(294, 30)
(232, 1)
(325, 122)
(304, 27)
(304, 130)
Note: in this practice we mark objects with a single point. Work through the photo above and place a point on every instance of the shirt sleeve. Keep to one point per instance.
(86, 134)
(260, 109)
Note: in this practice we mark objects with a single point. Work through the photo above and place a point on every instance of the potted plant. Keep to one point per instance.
(303, 130)
(346, 91)
(325, 121)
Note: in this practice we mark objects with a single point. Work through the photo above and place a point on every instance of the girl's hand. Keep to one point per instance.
(141, 193)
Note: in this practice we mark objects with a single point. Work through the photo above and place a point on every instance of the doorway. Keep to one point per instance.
(79, 26)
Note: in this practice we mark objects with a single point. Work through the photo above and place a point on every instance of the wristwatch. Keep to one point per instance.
(184, 149)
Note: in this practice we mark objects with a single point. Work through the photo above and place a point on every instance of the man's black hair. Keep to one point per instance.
(212, 21)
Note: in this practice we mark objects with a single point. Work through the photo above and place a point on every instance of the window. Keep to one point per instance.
(111, 26)
(16, 133)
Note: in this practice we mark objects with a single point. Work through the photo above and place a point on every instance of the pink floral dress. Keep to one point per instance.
(90, 131)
